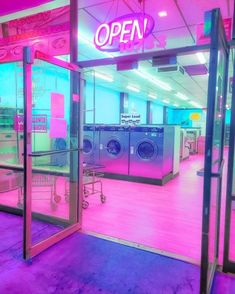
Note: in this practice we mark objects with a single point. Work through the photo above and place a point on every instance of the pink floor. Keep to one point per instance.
(167, 218)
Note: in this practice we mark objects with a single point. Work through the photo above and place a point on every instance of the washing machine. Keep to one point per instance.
(114, 149)
(184, 145)
(91, 144)
(192, 135)
(151, 152)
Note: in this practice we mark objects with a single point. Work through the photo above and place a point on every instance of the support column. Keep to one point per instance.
(165, 115)
(123, 104)
(149, 120)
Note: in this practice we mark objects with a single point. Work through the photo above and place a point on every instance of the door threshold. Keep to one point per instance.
(142, 247)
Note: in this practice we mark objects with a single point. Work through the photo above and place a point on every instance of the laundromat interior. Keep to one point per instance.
(113, 144)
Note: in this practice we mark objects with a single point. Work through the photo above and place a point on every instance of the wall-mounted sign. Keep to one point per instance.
(127, 29)
(39, 123)
(203, 37)
(45, 31)
(130, 119)
(195, 116)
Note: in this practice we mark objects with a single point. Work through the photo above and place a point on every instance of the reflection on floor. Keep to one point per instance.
(166, 218)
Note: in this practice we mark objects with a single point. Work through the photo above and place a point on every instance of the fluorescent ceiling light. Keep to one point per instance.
(132, 88)
(166, 101)
(176, 105)
(152, 96)
(154, 81)
(197, 105)
(103, 76)
(162, 13)
(181, 96)
(91, 44)
(201, 57)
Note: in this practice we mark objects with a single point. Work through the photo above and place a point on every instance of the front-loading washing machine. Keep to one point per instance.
(151, 151)
(114, 149)
(91, 144)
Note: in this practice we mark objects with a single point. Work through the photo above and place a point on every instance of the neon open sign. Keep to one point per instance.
(130, 28)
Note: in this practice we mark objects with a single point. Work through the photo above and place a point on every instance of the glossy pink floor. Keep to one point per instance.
(167, 218)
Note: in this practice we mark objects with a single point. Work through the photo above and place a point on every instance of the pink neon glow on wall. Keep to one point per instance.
(8, 7)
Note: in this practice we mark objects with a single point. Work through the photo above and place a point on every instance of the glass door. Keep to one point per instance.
(214, 158)
(229, 240)
(52, 151)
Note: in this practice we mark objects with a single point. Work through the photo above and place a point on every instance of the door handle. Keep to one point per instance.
(46, 153)
(201, 172)
(220, 171)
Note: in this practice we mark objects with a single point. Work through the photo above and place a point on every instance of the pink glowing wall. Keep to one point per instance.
(12, 6)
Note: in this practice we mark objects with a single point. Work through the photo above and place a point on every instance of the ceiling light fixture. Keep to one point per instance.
(197, 105)
(166, 101)
(201, 57)
(132, 88)
(154, 81)
(152, 96)
(181, 96)
(162, 13)
(176, 105)
(88, 42)
(103, 76)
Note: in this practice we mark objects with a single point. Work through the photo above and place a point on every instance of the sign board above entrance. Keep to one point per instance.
(127, 29)
(47, 31)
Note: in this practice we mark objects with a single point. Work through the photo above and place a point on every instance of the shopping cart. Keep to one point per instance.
(92, 184)
(42, 184)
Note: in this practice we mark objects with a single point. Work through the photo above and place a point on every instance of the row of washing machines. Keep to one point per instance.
(143, 152)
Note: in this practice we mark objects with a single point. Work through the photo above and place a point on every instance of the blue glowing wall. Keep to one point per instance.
(107, 105)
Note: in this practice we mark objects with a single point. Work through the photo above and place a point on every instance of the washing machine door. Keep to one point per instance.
(89, 153)
(87, 146)
(146, 150)
(114, 148)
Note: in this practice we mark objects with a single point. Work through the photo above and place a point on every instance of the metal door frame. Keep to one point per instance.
(76, 83)
(218, 39)
(228, 265)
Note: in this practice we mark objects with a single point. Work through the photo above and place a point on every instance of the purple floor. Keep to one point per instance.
(85, 264)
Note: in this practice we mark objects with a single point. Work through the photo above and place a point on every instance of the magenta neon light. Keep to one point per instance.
(130, 28)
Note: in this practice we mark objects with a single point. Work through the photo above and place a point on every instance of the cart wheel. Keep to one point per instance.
(85, 204)
(103, 198)
(57, 198)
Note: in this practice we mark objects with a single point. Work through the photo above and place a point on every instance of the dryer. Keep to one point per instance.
(151, 151)
(114, 149)
(91, 144)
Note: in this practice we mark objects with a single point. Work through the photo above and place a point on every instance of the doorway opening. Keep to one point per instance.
(154, 153)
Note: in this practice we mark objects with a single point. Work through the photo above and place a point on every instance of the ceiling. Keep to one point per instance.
(146, 80)
(179, 26)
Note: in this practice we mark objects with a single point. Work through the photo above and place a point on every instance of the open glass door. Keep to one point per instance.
(213, 168)
(52, 163)
(229, 239)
